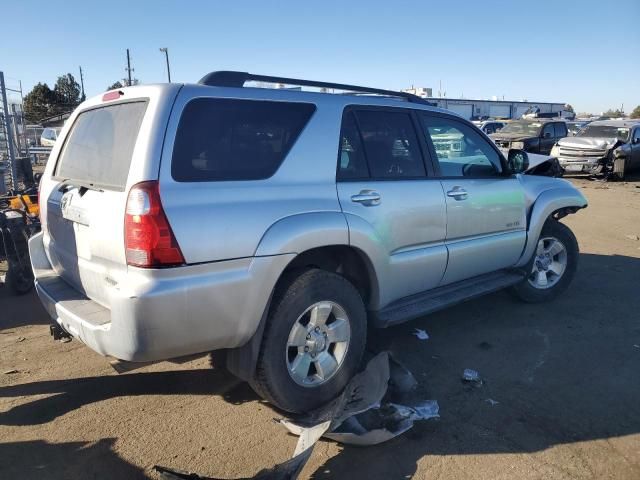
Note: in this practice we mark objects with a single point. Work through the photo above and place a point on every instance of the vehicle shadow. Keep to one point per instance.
(562, 372)
(20, 310)
(37, 459)
(71, 394)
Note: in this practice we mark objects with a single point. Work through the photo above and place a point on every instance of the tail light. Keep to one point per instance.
(148, 239)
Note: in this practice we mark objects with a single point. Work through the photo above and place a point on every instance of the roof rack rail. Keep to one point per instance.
(228, 78)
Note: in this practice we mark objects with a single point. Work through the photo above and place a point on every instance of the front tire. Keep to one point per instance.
(619, 168)
(553, 265)
(313, 342)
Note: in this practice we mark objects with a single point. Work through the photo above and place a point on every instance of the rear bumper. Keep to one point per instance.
(163, 313)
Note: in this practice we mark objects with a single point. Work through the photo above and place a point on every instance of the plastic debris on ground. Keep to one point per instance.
(471, 376)
(421, 334)
(492, 402)
(369, 411)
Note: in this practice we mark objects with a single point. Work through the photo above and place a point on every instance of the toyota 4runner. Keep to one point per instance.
(277, 225)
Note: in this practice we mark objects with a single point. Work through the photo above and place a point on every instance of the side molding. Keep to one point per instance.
(548, 202)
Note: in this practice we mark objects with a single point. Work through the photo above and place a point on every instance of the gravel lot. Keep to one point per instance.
(566, 376)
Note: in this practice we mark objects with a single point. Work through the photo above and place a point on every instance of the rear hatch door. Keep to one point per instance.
(108, 148)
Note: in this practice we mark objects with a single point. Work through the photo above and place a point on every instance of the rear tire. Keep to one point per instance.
(313, 341)
(19, 280)
(553, 265)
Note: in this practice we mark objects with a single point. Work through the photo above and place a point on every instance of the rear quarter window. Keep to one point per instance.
(230, 139)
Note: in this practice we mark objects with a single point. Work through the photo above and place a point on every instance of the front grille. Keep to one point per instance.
(573, 154)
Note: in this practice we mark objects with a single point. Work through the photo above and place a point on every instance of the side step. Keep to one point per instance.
(421, 304)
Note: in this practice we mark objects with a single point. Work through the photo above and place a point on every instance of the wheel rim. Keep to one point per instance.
(318, 344)
(549, 264)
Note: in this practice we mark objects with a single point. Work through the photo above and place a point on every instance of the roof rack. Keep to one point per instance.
(227, 78)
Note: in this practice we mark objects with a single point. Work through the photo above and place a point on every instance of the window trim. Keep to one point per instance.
(424, 152)
(505, 173)
(262, 100)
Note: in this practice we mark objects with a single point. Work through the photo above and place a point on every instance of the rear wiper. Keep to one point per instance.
(67, 183)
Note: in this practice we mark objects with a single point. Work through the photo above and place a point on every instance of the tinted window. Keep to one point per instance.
(391, 144)
(561, 130)
(99, 148)
(351, 159)
(547, 131)
(461, 151)
(226, 139)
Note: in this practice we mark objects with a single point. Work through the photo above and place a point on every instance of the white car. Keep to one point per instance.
(49, 137)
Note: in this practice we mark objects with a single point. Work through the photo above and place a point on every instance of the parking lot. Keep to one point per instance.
(565, 376)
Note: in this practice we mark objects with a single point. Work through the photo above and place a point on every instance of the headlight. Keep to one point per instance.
(555, 151)
(518, 145)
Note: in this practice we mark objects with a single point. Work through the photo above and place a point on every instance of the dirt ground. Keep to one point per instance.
(566, 376)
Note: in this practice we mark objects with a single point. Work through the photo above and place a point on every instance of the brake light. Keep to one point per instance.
(148, 239)
(113, 95)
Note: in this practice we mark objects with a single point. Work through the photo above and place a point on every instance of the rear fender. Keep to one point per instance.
(299, 233)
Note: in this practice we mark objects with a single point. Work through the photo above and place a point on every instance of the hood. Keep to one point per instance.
(588, 142)
(510, 136)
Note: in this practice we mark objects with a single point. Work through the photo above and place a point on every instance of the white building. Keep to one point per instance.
(474, 108)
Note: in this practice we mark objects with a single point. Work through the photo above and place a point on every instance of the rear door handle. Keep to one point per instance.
(458, 193)
(368, 198)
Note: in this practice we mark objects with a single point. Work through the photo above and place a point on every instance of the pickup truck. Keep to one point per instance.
(535, 136)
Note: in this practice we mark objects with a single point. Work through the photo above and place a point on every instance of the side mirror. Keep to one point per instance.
(547, 135)
(518, 160)
(636, 140)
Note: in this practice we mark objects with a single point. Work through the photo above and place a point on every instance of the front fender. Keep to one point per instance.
(302, 232)
(545, 204)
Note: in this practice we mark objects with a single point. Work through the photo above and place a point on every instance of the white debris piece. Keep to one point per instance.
(421, 334)
(492, 402)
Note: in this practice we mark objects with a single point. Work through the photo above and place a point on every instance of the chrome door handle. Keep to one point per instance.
(368, 198)
(457, 193)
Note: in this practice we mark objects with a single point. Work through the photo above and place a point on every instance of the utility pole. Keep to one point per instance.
(128, 69)
(165, 50)
(83, 97)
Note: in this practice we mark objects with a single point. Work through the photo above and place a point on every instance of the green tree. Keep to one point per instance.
(115, 86)
(613, 113)
(66, 93)
(38, 103)
(635, 113)
(569, 108)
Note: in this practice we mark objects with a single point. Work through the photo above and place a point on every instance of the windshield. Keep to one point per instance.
(605, 131)
(528, 128)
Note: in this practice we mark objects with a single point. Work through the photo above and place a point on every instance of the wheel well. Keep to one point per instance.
(343, 260)
(563, 212)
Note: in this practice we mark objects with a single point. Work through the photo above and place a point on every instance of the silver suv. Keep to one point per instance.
(277, 225)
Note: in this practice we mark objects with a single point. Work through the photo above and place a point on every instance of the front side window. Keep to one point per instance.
(547, 131)
(391, 144)
(229, 139)
(460, 150)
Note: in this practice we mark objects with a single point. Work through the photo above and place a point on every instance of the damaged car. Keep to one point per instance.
(607, 147)
(535, 136)
(275, 227)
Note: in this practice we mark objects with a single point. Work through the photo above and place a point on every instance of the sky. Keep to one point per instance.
(580, 52)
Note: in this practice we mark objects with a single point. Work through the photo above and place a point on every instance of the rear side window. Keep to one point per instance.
(228, 139)
(100, 145)
(391, 144)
